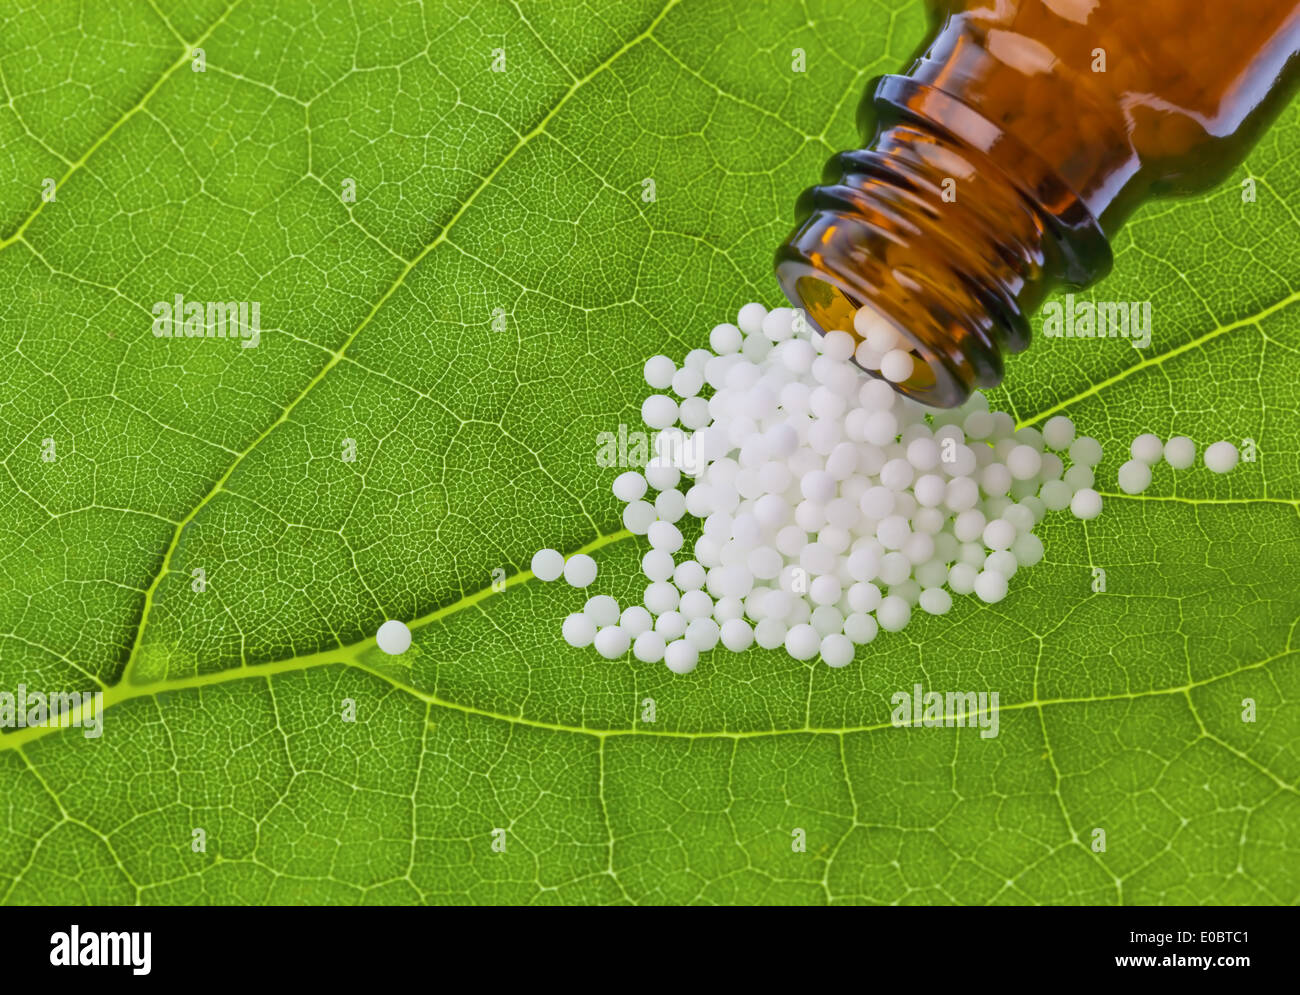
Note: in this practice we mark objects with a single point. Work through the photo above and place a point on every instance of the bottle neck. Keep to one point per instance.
(954, 232)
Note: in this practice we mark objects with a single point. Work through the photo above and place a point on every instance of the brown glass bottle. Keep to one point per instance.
(1002, 163)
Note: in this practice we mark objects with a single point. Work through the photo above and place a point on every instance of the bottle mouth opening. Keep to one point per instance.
(829, 307)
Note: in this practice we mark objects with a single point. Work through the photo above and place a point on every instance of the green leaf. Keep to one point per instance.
(485, 195)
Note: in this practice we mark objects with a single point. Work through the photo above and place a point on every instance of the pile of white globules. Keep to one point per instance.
(832, 505)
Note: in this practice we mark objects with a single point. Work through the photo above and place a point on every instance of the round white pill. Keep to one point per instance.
(635, 620)
(1085, 451)
(1024, 462)
(601, 609)
(1134, 476)
(990, 586)
(724, 339)
(736, 635)
(1180, 452)
(547, 564)
(802, 642)
(894, 613)
(681, 657)
(578, 629)
(665, 536)
(702, 633)
(1147, 448)
(896, 365)
(649, 647)
(1058, 432)
(687, 382)
(629, 486)
(611, 642)
(658, 411)
(936, 601)
(579, 570)
(393, 637)
(861, 628)
(750, 318)
(1220, 457)
(1086, 504)
(836, 650)
(659, 372)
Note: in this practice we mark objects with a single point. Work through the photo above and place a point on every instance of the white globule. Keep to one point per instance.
(635, 620)
(687, 383)
(649, 647)
(1135, 476)
(894, 613)
(736, 635)
(1024, 462)
(777, 325)
(805, 505)
(802, 642)
(601, 609)
(1085, 451)
(696, 358)
(725, 339)
(1147, 448)
(1058, 432)
(659, 372)
(638, 516)
(629, 486)
(1085, 504)
(578, 630)
(547, 564)
(750, 319)
(702, 633)
(1180, 452)
(657, 565)
(1220, 457)
(671, 625)
(393, 637)
(836, 650)
(1079, 477)
(838, 345)
(681, 656)
(579, 570)
(936, 600)
(659, 411)
(611, 642)
(896, 365)
(990, 586)
(665, 535)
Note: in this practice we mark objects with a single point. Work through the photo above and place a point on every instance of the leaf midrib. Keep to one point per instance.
(350, 656)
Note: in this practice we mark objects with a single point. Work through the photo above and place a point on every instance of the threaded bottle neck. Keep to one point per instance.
(951, 231)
